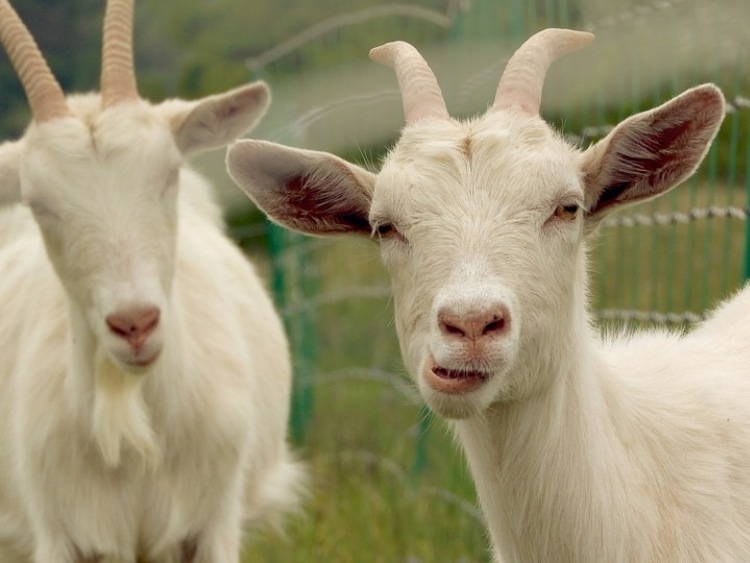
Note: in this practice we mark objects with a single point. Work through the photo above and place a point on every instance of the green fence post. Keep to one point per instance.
(746, 269)
(288, 283)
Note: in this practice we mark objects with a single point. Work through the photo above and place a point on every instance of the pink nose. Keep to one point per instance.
(476, 325)
(134, 325)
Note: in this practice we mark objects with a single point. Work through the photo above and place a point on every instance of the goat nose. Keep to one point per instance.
(134, 325)
(476, 325)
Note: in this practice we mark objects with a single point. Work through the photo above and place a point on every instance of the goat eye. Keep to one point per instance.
(385, 231)
(566, 212)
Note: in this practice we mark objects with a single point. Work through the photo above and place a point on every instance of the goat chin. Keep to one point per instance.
(121, 419)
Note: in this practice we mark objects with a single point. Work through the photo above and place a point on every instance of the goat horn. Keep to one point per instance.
(118, 75)
(420, 92)
(46, 98)
(523, 78)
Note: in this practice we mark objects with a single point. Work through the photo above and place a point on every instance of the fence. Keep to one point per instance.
(666, 262)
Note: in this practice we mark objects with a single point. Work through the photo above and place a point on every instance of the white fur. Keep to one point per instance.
(102, 460)
(583, 449)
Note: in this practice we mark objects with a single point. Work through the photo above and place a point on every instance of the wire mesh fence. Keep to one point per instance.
(356, 414)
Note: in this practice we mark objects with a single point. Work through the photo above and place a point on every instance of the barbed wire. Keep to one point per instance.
(297, 127)
(677, 217)
(318, 30)
(656, 317)
(402, 385)
(633, 13)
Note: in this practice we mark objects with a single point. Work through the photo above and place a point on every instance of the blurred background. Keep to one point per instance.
(390, 485)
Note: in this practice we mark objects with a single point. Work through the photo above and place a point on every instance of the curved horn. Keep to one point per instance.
(420, 92)
(46, 98)
(523, 78)
(118, 75)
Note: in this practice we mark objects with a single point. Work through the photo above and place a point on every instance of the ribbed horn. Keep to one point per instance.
(420, 92)
(118, 74)
(522, 81)
(46, 98)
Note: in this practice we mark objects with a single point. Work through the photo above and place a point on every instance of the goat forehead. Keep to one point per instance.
(136, 129)
(478, 174)
(98, 156)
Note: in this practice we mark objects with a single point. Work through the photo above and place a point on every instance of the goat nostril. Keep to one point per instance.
(451, 329)
(135, 324)
(474, 326)
(494, 327)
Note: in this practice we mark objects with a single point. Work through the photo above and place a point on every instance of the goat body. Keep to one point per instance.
(203, 428)
(145, 376)
(639, 450)
(582, 448)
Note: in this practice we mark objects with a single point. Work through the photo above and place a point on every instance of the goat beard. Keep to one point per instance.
(121, 419)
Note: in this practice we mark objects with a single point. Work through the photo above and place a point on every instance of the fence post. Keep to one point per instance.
(746, 268)
(290, 283)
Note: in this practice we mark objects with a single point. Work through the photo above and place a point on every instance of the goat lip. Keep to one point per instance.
(143, 363)
(453, 382)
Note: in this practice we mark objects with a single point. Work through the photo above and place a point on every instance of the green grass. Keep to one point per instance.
(369, 504)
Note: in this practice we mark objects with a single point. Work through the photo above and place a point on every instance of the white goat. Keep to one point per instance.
(582, 450)
(144, 376)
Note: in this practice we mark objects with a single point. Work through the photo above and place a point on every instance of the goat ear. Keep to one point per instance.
(10, 179)
(651, 152)
(216, 121)
(309, 191)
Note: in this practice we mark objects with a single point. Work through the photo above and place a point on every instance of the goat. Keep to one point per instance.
(145, 375)
(583, 448)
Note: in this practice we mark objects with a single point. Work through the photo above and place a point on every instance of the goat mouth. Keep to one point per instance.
(140, 364)
(453, 381)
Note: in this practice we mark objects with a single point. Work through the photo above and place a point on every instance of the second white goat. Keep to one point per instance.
(583, 449)
(144, 374)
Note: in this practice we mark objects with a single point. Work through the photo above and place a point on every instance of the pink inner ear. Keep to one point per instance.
(653, 151)
(321, 211)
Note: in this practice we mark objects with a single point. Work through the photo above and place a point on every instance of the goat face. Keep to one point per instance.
(104, 195)
(465, 226)
(101, 176)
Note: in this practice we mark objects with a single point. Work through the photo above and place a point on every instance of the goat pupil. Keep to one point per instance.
(567, 211)
(385, 230)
